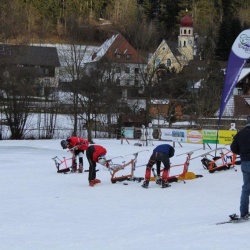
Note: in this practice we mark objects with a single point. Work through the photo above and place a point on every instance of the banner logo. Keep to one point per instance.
(241, 46)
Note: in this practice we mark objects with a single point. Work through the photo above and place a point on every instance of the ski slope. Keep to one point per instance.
(41, 209)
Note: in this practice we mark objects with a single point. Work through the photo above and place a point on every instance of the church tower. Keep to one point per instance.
(186, 38)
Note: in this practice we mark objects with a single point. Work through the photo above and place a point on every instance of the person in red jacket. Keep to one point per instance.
(94, 154)
(77, 146)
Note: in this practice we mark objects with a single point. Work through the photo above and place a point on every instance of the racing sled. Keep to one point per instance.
(114, 169)
(62, 165)
(225, 160)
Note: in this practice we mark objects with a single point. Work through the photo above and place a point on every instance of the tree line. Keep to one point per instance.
(144, 23)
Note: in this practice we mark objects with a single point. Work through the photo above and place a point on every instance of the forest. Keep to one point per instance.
(144, 23)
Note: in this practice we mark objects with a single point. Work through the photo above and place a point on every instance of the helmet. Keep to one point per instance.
(64, 144)
(102, 160)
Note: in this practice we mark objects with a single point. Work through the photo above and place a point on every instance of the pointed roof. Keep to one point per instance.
(172, 47)
(117, 49)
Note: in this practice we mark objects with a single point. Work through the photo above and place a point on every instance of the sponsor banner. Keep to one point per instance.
(166, 134)
(194, 136)
(209, 136)
(226, 136)
(179, 135)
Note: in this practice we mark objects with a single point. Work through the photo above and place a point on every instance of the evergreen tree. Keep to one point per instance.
(228, 32)
(167, 21)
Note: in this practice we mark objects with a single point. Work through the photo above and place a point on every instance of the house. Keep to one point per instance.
(124, 65)
(174, 56)
(239, 103)
(44, 59)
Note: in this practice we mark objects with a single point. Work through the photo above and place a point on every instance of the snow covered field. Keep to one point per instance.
(41, 209)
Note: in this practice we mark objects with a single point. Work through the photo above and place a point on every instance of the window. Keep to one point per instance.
(46, 82)
(157, 61)
(127, 82)
(118, 56)
(128, 56)
(118, 81)
(136, 70)
(127, 70)
(136, 83)
(169, 62)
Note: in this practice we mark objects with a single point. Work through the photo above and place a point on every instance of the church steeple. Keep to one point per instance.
(186, 37)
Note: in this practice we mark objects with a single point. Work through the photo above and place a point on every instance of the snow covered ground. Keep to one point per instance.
(41, 209)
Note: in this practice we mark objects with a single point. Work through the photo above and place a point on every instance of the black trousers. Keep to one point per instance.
(92, 165)
(158, 157)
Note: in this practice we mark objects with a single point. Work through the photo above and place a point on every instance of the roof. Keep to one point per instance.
(244, 72)
(30, 55)
(236, 106)
(186, 21)
(117, 49)
(172, 47)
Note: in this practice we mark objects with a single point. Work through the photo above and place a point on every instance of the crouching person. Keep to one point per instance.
(161, 153)
(77, 146)
(94, 154)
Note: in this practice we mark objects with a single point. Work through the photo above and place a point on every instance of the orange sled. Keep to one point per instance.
(224, 161)
(115, 168)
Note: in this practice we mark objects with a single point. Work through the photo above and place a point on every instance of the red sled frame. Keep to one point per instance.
(115, 168)
(220, 162)
(58, 162)
(184, 169)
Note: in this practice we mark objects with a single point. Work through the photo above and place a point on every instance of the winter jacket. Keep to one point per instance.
(96, 151)
(241, 144)
(165, 148)
(75, 141)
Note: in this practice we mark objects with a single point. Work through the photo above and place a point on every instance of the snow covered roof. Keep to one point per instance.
(244, 72)
(157, 101)
(103, 49)
(229, 109)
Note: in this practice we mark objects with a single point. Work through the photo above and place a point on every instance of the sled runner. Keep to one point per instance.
(115, 168)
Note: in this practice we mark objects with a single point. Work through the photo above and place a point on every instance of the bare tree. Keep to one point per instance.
(18, 87)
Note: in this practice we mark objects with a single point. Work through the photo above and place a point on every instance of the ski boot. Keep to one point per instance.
(164, 184)
(145, 184)
(158, 180)
(80, 170)
(92, 183)
(73, 169)
(96, 181)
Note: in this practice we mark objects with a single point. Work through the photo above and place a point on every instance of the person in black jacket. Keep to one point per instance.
(161, 154)
(241, 146)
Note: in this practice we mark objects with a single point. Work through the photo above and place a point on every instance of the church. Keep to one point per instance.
(174, 56)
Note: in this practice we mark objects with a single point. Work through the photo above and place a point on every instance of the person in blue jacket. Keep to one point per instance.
(161, 154)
